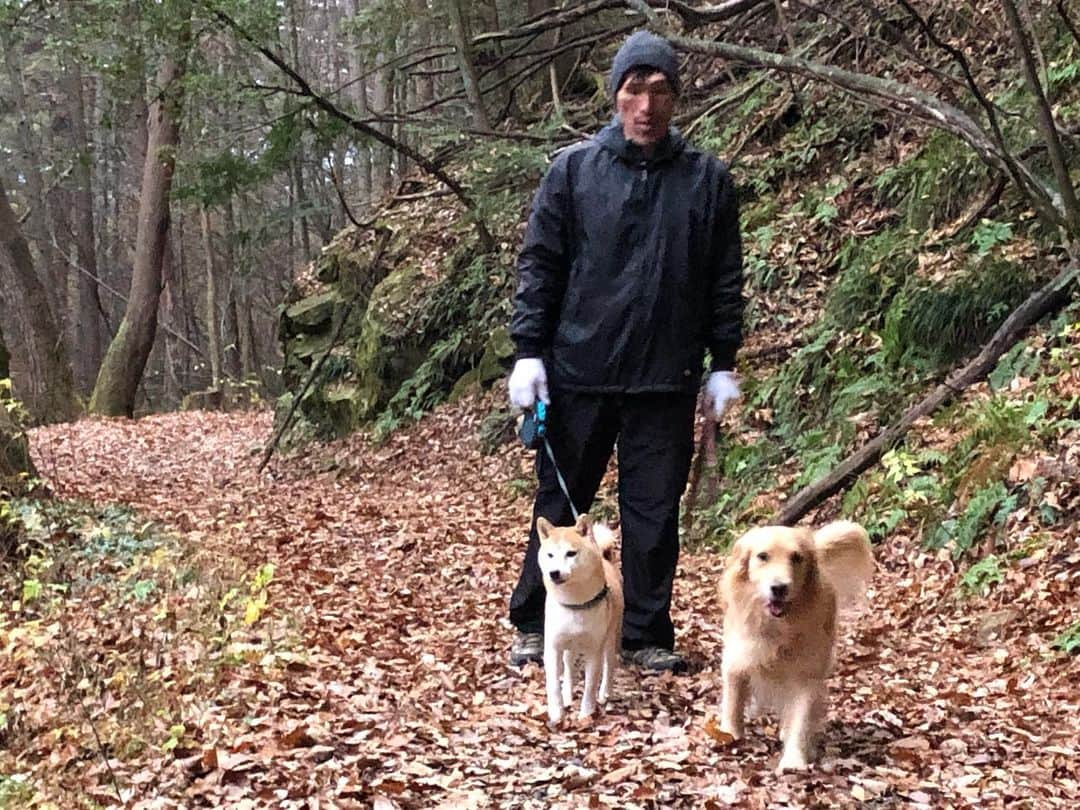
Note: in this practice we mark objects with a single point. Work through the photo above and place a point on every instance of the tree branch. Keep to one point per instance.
(972, 85)
(886, 93)
(1046, 119)
(487, 243)
(1068, 22)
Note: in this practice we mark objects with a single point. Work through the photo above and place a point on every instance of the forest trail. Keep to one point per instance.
(389, 685)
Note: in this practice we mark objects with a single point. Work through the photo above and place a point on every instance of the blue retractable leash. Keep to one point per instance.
(533, 434)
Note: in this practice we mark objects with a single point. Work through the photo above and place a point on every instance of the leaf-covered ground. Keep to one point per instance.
(368, 666)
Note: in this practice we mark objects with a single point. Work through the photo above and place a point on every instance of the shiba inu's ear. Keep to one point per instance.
(584, 526)
(543, 528)
(605, 540)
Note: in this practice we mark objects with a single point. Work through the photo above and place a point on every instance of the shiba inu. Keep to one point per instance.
(582, 614)
(782, 588)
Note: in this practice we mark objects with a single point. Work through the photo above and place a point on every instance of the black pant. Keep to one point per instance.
(655, 435)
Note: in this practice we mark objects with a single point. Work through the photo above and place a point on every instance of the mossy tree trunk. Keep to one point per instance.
(124, 363)
(49, 390)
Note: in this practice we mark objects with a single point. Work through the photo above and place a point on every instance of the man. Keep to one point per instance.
(631, 268)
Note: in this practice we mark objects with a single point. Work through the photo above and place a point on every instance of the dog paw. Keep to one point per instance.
(731, 731)
(555, 716)
(792, 762)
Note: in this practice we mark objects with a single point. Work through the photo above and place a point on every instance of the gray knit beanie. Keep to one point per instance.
(644, 49)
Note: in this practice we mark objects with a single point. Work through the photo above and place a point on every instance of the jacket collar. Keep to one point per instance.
(611, 138)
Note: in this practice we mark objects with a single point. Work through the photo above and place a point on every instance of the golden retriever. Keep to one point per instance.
(782, 588)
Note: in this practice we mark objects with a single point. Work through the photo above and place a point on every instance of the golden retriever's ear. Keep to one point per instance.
(846, 559)
(583, 526)
(738, 560)
(543, 528)
(812, 569)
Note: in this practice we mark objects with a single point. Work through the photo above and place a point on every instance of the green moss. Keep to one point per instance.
(314, 312)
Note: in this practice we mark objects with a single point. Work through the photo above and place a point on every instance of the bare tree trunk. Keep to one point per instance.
(401, 134)
(90, 331)
(1045, 118)
(125, 360)
(425, 85)
(213, 335)
(459, 32)
(29, 162)
(363, 151)
(175, 349)
(238, 271)
(5, 357)
(381, 155)
(15, 459)
(231, 350)
(187, 325)
(49, 392)
(297, 168)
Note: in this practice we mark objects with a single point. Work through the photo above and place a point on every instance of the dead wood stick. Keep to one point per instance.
(704, 460)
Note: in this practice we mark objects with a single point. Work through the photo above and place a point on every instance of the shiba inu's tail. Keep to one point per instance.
(845, 559)
(605, 540)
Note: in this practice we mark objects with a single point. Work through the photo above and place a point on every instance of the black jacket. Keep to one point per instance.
(631, 267)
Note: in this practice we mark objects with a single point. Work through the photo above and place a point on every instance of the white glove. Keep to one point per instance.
(721, 389)
(528, 383)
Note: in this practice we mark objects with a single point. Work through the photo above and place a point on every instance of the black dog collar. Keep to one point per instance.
(596, 600)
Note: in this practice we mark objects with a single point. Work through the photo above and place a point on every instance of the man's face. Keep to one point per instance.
(645, 103)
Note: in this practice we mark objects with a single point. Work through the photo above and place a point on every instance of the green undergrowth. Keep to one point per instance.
(125, 629)
(462, 322)
(952, 483)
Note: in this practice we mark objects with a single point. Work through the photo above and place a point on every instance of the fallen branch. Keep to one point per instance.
(317, 366)
(1042, 302)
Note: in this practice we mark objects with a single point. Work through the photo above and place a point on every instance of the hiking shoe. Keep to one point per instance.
(527, 648)
(657, 659)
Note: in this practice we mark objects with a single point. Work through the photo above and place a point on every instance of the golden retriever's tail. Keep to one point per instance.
(605, 540)
(846, 559)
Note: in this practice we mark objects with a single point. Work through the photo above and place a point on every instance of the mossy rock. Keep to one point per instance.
(388, 350)
(492, 365)
(314, 313)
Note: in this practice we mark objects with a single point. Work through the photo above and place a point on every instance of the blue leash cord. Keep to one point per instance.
(533, 431)
(562, 481)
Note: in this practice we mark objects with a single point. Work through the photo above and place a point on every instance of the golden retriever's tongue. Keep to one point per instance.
(776, 608)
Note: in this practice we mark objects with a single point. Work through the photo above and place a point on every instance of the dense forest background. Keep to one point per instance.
(314, 206)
